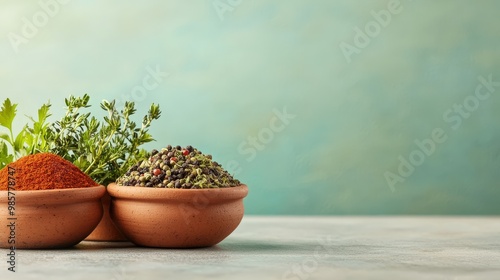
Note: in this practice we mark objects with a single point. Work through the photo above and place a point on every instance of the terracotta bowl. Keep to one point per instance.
(106, 231)
(176, 218)
(51, 219)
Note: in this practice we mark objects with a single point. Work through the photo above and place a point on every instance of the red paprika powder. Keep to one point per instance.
(45, 171)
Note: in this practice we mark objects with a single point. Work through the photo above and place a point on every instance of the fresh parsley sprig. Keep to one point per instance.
(30, 140)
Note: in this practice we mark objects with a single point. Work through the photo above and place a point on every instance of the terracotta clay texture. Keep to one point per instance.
(177, 218)
(106, 231)
(51, 219)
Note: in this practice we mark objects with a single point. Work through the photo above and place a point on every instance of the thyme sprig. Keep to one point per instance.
(106, 149)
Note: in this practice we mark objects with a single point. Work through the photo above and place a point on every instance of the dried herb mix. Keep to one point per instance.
(180, 168)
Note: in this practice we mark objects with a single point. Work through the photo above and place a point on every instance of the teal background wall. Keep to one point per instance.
(359, 101)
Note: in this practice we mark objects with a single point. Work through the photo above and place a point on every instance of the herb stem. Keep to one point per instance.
(99, 152)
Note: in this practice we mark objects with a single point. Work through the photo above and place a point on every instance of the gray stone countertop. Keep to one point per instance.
(451, 248)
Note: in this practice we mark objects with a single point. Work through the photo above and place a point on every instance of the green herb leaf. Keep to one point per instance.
(19, 141)
(7, 114)
(5, 157)
(5, 137)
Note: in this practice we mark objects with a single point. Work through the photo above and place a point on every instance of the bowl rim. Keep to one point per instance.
(55, 196)
(187, 195)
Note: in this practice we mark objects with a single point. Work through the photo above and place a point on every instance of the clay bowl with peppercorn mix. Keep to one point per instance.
(50, 219)
(177, 218)
(177, 198)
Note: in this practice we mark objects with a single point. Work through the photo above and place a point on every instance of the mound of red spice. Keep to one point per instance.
(45, 171)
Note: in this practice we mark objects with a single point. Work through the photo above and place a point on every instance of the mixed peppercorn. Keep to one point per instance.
(177, 167)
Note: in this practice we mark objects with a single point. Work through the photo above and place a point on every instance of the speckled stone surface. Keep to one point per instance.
(452, 248)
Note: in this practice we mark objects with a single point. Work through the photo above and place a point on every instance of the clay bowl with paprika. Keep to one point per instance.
(48, 203)
(177, 218)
